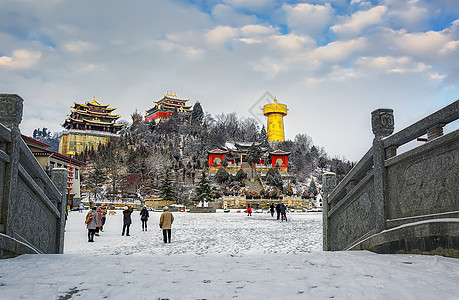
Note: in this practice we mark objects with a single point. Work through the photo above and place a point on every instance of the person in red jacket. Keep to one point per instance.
(249, 210)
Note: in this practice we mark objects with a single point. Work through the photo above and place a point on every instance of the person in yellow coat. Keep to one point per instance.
(165, 223)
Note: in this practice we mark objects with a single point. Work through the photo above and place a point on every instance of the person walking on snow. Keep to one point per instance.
(144, 217)
(126, 220)
(283, 211)
(104, 217)
(271, 209)
(278, 210)
(92, 223)
(99, 220)
(81, 207)
(249, 210)
(165, 223)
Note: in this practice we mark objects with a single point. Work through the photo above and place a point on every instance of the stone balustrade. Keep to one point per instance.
(32, 205)
(399, 203)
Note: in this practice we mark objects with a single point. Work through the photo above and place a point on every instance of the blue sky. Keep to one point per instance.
(331, 62)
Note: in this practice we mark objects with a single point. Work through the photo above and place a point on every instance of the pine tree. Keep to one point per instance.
(203, 191)
(166, 187)
(312, 188)
(222, 176)
(197, 114)
(253, 155)
(95, 181)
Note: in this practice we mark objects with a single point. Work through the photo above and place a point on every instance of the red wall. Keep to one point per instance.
(284, 160)
(158, 115)
(213, 156)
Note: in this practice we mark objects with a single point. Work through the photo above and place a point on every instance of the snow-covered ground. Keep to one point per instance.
(221, 256)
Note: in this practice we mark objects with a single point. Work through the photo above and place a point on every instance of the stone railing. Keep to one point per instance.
(32, 206)
(406, 203)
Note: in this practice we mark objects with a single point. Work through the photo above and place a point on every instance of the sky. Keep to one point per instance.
(331, 62)
(221, 256)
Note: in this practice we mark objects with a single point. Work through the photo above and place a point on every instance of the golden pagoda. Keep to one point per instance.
(87, 126)
(275, 113)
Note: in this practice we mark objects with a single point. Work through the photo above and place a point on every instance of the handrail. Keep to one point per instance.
(5, 133)
(443, 116)
(357, 173)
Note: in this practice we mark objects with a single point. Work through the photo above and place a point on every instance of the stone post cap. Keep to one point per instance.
(382, 122)
(11, 110)
(329, 182)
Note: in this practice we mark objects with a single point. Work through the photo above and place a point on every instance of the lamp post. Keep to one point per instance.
(69, 183)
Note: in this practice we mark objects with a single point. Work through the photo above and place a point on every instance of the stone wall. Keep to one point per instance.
(406, 203)
(33, 205)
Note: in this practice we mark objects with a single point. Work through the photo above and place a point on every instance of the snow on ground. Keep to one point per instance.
(226, 233)
(221, 256)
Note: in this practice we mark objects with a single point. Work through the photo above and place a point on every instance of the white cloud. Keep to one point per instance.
(227, 15)
(410, 16)
(257, 30)
(402, 64)
(78, 46)
(308, 18)
(220, 35)
(189, 52)
(339, 50)
(21, 59)
(424, 44)
(251, 4)
(359, 21)
(292, 43)
(450, 46)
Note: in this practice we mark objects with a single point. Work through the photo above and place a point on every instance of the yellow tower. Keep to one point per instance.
(275, 113)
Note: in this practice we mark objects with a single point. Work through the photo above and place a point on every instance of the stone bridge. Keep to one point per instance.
(32, 205)
(399, 203)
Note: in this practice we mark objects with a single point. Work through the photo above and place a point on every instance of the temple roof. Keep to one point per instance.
(217, 151)
(171, 97)
(243, 146)
(97, 122)
(165, 104)
(94, 103)
(279, 152)
(105, 115)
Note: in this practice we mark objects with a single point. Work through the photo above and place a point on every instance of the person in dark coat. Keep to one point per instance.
(126, 220)
(92, 224)
(144, 217)
(283, 211)
(271, 209)
(278, 209)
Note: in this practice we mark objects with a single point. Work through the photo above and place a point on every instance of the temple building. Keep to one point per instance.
(49, 160)
(165, 107)
(275, 113)
(235, 155)
(87, 126)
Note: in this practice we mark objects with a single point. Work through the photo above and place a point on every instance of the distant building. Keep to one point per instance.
(50, 159)
(165, 107)
(236, 158)
(87, 126)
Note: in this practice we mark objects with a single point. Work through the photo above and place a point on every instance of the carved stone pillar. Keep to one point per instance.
(328, 185)
(382, 121)
(10, 117)
(59, 178)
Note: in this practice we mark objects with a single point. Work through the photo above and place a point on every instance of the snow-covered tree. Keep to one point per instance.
(203, 190)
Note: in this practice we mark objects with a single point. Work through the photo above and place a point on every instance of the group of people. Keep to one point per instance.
(281, 211)
(96, 217)
(280, 208)
(95, 221)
